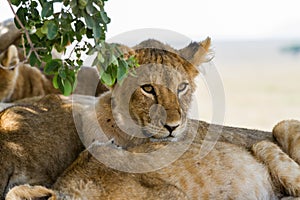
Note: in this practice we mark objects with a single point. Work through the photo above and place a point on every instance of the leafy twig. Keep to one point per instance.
(32, 49)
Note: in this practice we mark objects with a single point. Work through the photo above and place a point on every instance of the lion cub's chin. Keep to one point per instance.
(166, 139)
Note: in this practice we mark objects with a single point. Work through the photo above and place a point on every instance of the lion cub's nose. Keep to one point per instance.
(170, 128)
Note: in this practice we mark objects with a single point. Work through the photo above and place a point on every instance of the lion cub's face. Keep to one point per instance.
(160, 103)
(154, 103)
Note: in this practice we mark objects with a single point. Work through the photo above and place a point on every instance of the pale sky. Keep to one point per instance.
(220, 19)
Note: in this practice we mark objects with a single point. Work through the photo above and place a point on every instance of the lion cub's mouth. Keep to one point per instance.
(162, 133)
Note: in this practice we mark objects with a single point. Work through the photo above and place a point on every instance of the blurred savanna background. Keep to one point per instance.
(256, 48)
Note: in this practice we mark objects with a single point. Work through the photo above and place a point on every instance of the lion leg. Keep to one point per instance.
(284, 170)
(287, 134)
(30, 192)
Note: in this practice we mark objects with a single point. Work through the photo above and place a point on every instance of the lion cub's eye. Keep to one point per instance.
(182, 87)
(148, 88)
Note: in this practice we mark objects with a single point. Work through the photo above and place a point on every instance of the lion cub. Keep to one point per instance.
(18, 80)
(159, 158)
(37, 143)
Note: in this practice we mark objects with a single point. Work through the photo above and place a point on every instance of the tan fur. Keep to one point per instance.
(287, 133)
(10, 57)
(228, 171)
(284, 169)
(22, 80)
(25, 192)
(218, 176)
(32, 150)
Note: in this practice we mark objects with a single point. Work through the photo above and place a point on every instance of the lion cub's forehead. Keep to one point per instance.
(159, 56)
(160, 74)
(163, 67)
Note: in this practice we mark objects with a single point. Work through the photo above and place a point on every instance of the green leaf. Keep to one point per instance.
(35, 13)
(32, 59)
(100, 57)
(104, 17)
(88, 20)
(79, 62)
(47, 9)
(60, 84)
(59, 48)
(67, 87)
(79, 25)
(21, 13)
(122, 70)
(132, 62)
(34, 4)
(114, 60)
(107, 79)
(44, 28)
(73, 4)
(65, 40)
(99, 3)
(114, 71)
(62, 73)
(65, 25)
(90, 9)
(52, 30)
(97, 31)
(52, 66)
(47, 58)
(54, 81)
(15, 2)
(66, 2)
(42, 2)
(82, 4)
(89, 33)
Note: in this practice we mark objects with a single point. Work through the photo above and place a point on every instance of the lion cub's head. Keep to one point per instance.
(157, 98)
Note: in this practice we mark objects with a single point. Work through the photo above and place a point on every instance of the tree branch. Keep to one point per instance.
(32, 49)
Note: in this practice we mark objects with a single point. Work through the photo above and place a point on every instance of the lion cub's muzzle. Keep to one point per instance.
(165, 123)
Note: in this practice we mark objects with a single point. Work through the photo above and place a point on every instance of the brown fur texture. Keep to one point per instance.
(21, 81)
(228, 171)
(37, 143)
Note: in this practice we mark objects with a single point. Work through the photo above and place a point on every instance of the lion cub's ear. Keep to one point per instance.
(197, 52)
(10, 57)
